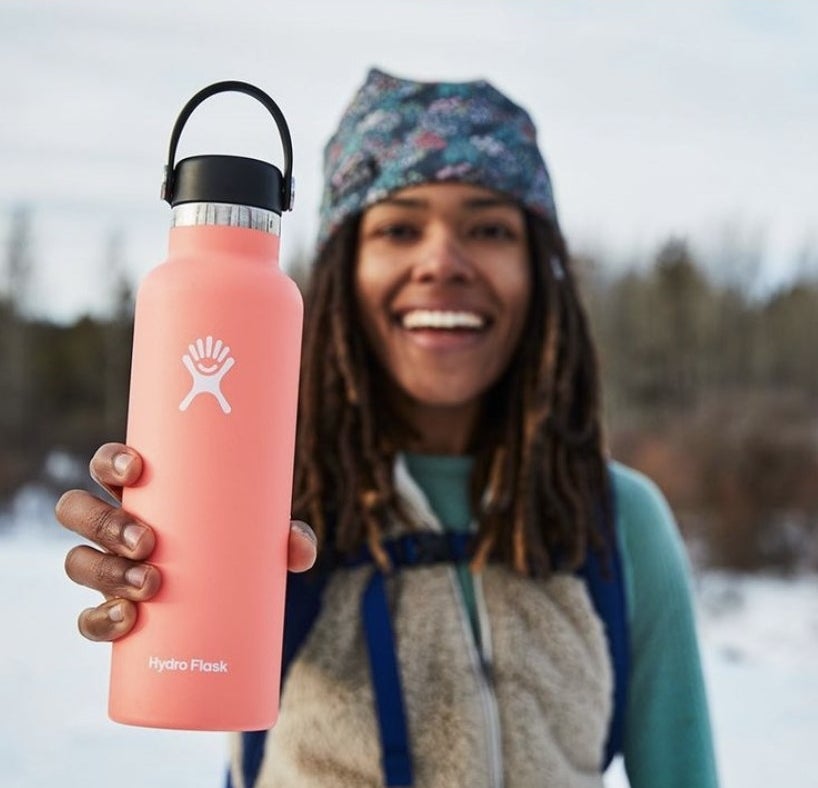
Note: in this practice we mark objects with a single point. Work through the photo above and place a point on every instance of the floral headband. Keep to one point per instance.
(398, 133)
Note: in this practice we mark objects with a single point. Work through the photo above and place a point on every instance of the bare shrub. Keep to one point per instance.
(741, 474)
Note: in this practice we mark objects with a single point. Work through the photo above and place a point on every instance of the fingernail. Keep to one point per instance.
(131, 534)
(305, 530)
(135, 576)
(122, 462)
(116, 613)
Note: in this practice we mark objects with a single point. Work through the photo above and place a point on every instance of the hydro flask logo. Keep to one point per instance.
(194, 665)
(208, 362)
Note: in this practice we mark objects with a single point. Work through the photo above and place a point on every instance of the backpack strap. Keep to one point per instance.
(605, 582)
(409, 550)
(396, 757)
(421, 548)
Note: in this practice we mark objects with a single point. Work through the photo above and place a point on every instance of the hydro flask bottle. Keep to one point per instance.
(212, 411)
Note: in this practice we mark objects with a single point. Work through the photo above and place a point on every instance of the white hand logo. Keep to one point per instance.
(208, 363)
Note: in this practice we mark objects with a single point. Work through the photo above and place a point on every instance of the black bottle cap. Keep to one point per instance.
(228, 179)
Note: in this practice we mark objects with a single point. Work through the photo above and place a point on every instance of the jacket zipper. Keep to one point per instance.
(482, 662)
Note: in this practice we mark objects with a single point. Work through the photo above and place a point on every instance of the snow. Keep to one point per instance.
(759, 641)
(54, 729)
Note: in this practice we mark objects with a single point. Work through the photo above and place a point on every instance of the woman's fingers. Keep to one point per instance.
(302, 547)
(114, 466)
(112, 575)
(108, 526)
(108, 621)
(126, 582)
(118, 569)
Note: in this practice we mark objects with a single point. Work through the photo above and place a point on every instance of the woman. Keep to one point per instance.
(495, 603)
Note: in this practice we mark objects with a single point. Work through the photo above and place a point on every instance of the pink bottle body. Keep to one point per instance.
(214, 386)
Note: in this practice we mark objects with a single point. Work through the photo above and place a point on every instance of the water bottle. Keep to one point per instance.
(212, 411)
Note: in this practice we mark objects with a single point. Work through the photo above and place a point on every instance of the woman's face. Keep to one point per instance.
(442, 281)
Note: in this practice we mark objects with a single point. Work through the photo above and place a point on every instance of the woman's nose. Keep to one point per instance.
(442, 257)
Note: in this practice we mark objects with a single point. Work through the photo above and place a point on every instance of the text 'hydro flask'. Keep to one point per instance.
(212, 411)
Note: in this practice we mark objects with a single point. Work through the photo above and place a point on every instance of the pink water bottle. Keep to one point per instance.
(212, 411)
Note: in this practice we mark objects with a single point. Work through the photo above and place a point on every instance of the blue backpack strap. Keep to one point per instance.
(420, 548)
(301, 607)
(380, 643)
(606, 587)
(603, 578)
(605, 584)
(415, 549)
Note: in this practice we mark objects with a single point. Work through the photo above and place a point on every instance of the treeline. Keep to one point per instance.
(713, 391)
(62, 387)
(710, 388)
(670, 337)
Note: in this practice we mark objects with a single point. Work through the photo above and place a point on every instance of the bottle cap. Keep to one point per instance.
(228, 179)
(233, 180)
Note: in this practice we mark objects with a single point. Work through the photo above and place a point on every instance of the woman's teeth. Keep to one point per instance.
(426, 318)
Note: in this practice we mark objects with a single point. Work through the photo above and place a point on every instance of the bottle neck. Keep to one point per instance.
(217, 214)
(197, 232)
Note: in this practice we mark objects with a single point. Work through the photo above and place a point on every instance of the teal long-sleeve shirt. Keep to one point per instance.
(668, 741)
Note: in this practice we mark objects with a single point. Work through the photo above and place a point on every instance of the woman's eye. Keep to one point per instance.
(397, 232)
(493, 232)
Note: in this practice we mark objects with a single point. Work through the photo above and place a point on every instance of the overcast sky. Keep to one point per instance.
(691, 118)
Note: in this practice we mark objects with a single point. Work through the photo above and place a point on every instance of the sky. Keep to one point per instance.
(694, 119)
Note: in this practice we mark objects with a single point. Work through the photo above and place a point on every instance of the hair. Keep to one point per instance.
(539, 490)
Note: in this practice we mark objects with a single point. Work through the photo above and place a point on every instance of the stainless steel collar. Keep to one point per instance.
(215, 213)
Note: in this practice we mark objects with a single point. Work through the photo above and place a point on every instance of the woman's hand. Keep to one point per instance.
(120, 570)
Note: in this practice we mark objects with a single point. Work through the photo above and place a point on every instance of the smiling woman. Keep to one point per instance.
(442, 282)
(495, 603)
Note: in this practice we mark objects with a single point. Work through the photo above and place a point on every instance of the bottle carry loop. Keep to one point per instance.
(288, 185)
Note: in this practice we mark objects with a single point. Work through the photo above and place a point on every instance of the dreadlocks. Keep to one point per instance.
(539, 485)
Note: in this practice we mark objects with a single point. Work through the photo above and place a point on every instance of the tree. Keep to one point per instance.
(18, 453)
(118, 337)
(790, 326)
(681, 324)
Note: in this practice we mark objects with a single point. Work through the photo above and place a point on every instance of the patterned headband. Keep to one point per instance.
(399, 133)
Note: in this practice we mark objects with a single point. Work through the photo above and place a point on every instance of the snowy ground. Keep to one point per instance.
(760, 642)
